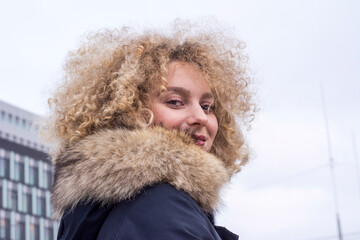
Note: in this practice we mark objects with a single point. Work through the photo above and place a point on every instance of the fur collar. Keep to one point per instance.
(113, 165)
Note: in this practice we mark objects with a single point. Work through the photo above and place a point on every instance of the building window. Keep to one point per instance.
(48, 178)
(4, 228)
(19, 230)
(17, 120)
(26, 200)
(41, 207)
(10, 117)
(12, 199)
(19, 171)
(33, 175)
(3, 167)
(34, 231)
(3, 114)
(23, 123)
(47, 182)
(48, 233)
(4, 163)
(1, 195)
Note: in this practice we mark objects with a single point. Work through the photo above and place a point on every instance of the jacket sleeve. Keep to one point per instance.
(160, 212)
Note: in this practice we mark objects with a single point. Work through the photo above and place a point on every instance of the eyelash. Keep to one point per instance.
(174, 102)
(210, 108)
(206, 107)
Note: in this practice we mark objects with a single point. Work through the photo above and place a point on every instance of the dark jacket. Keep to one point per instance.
(146, 184)
(160, 212)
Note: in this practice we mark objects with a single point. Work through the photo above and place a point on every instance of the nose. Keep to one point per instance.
(197, 116)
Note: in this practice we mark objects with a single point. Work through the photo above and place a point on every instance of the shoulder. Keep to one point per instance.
(158, 212)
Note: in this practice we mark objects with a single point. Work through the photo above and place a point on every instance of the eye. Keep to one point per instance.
(208, 108)
(175, 102)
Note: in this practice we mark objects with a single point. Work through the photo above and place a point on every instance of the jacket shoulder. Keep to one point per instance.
(158, 212)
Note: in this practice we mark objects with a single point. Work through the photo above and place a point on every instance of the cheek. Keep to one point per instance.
(213, 126)
(166, 118)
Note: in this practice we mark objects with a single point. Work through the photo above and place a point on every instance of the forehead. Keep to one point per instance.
(186, 75)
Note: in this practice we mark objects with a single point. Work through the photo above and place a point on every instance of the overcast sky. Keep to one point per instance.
(285, 192)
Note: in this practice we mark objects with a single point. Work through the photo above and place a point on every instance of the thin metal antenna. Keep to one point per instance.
(331, 159)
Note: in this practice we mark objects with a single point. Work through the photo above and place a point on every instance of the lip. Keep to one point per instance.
(199, 140)
(199, 137)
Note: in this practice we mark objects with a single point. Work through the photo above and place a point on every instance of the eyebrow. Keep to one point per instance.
(179, 90)
(187, 92)
(207, 95)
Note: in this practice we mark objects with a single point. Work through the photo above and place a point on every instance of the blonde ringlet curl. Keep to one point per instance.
(109, 79)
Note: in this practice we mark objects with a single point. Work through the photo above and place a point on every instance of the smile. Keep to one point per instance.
(200, 140)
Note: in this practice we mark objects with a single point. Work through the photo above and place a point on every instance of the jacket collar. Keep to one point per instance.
(113, 165)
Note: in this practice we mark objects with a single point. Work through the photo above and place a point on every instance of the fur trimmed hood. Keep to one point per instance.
(113, 165)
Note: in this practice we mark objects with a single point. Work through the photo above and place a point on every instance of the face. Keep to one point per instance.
(187, 104)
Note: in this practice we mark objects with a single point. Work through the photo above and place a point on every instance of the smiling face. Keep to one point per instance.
(187, 104)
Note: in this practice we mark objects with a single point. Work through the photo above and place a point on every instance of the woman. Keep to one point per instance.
(148, 133)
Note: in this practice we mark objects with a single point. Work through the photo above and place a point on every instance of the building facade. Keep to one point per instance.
(26, 176)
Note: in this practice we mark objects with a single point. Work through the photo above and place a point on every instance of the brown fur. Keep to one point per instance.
(113, 165)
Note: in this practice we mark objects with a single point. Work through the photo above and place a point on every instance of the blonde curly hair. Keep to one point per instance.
(108, 80)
